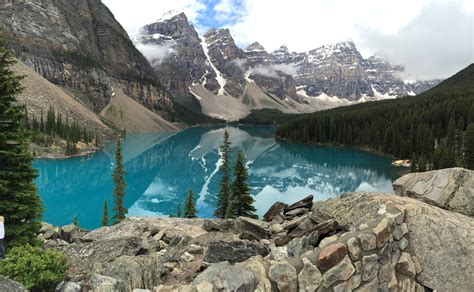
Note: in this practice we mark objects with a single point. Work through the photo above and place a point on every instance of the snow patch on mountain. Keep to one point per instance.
(220, 79)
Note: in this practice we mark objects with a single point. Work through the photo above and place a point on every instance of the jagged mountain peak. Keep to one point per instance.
(172, 15)
(255, 46)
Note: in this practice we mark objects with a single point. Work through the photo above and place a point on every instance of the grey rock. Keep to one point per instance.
(9, 285)
(284, 276)
(100, 283)
(259, 229)
(303, 203)
(69, 233)
(354, 249)
(259, 268)
(274, 211)
(370, 267)
(66, 286)
(403, 243)
(233, 252)
(298, 246)
(341, 272)
(226, 277)
(400, 231)
(450, 188)
(405, 265)
(368, 241)
(310, 278)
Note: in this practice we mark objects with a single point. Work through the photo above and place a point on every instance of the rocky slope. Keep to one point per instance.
(356, 242)
(79, 46)
(213, 68)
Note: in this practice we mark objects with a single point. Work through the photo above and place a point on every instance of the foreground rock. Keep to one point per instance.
(10, 286)
(451, 188)
(356, 242)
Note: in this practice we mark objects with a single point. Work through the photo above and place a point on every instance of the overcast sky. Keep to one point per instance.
(431, 38)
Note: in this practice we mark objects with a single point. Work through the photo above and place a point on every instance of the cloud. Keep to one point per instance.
(436, 44)
(155, 54)
(135, 15)
(272, 71)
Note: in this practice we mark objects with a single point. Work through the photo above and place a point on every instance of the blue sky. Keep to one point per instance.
(218, 13)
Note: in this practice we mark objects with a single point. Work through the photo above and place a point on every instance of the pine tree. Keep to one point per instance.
(75, 221)
(222, 202)
(241, 204)
(178, 211)
(469, 147)
(120, 185)
(105, 214)
(19, 202)
(190, 206)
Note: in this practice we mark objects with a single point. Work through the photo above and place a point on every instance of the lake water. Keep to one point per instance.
(162, 167)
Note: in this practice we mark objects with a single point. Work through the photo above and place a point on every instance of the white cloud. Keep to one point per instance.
(272, 70)
(155, 54)
(135, 14)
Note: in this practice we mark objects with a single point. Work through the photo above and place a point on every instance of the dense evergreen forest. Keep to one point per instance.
(430, 129)
(54, 125)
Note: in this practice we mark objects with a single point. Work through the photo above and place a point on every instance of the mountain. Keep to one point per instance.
(81, 48)
(427, 128)
(228, 82)
(340, 70)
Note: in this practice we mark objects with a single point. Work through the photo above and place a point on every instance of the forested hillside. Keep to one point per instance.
(430, 128)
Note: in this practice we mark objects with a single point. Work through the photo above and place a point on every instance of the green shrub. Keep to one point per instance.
(37, 269)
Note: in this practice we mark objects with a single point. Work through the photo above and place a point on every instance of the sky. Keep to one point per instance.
(431, 38)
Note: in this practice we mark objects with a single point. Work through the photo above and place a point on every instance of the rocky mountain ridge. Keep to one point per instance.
(81, 48)
(213, 65)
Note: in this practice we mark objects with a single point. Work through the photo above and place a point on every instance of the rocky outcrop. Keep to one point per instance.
(79, 46)
(10, 286)
(451, 189)
(356, 242)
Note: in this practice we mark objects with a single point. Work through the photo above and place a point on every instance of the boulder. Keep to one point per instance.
(304, 203)
(10, 286)
(225, 277)
(442, 240)
(100, 283)
(258, 229)
(69, 233)
(296, 212)
(370, 267)
(451, 188)
(283, 274)
(234, 252)
(66, 286)
(259, 268)
(310, 277)
(341, 272)
(331, 255)
(134, 272)
(274, 210)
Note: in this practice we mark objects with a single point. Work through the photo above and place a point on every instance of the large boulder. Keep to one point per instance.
(253, 229)
(304, 203)
(451, 188)
(225, 277)
(274, 211)
(10, 286)
(234, 252)
(442, 241)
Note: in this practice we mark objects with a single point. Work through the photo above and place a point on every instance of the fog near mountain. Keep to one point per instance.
(155, 54)
(271, 70)
(437, 43)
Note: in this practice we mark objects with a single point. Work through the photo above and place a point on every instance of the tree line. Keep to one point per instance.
(435, 130)
(46, 128)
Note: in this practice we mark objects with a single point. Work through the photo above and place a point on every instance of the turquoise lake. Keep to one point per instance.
(162, 167)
